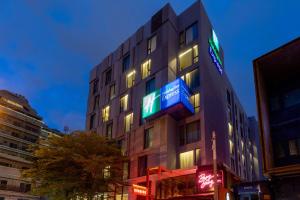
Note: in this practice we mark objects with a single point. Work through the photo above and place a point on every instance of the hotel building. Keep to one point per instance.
(20, 126)
(278, 101)
(161, 94)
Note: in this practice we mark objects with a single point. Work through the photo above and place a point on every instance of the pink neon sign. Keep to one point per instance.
(206, 180)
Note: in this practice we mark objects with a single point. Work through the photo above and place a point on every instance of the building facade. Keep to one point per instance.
(127, 101)
(20, 126)
(278, 102)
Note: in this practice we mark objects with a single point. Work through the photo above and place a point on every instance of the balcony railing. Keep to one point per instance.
(15, 188)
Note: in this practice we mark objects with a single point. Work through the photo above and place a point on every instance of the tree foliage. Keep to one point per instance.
(79, 165)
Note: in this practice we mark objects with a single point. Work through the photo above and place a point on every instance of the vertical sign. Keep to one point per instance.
(151, 104)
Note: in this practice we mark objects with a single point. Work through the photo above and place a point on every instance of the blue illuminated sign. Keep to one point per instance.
(214, 50)
(171, 94)
(215, 60)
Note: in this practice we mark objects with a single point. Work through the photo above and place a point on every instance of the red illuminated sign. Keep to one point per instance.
(139, 190)
(205, 180)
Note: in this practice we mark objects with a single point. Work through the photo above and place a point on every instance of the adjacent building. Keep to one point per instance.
(20, 126)
(161, 94)
(278, 101)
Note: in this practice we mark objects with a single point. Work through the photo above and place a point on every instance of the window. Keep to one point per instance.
(13, 145)
(108, 74)
(109, 129)
(292, 98)
(128, 122)
(192, 79)
(189, 133)
(92, 121)
(95, 86)
(124, 103)
(112, 91)
(186, 159)
(148, 137)
(121, 145)
(130, 79)
(126, 63)
(293, 148)
(126, 171)
(106, 172)
(188, 57)
(3, 184)
(197, 151)
(142, 166)
(96, 102)
(151, 44)
(228, 97)
(105, 114)
(195, 101)
(191, 33)
(146, 68)
(150, 86)
(24, 187)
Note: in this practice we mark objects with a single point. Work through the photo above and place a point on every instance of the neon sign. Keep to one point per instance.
(139, 190)
(206, 181)
(169, 95)
(214, 51)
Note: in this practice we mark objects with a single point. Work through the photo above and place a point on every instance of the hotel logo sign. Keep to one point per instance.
(214, 51)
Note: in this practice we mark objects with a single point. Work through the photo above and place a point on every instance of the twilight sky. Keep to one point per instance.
(47, 48)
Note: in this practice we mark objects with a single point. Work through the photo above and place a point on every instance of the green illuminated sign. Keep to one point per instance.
(151, 104)
(214, 43)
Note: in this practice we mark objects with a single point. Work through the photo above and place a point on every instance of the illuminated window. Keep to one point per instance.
(197, 151)
(151, 44)
(231, 147)
(185, 59)
(195, 101)
(130, 79)
(186, 159)
(146, 69)
(124, 103)
(230, 129)
(105, 114)
(126, 63)
(128, 122)
(192, 79)
(112, 91)
(148, 137)
(106, 172)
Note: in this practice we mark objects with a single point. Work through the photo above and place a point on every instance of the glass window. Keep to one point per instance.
(150, 86)
(146, 68)
(192, 79)
(126, 171)
(130, 79)
(108, 76)
(228, 97)
(181, 39)
(128, 122)
(109, 129)
(151, 44)
(112, 91)
(197, 151)
(142, 166)
(96, 102)
(186, 159)
(95, 86)
(106, 172)
(192, 132)
(293, 149)
(188, 57)
(126, 63)
(105, 114)
(124, 103)
(148, 136)
(195, 101)
(92, 121)
(191, 33)
(292, 98)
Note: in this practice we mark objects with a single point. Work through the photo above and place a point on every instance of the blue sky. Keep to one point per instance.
(47, 48)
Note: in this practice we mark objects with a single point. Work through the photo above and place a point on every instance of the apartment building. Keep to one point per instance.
(20, 126)
(161, 94)
(278, 101)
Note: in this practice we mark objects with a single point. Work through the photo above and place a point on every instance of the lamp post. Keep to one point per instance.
(214, 149)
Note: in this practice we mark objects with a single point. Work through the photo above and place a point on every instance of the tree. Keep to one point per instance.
(75, 166)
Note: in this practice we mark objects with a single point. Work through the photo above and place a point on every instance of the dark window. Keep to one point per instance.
(151, 44)
(13, 145)
(95, 86)
(3, 183)
(181, 39)
(156, 21)
(108, 75)
(96, 102)
(24, 187)
(92, 119)
(109, 129)
(191, 33)
(112, 91)
(150, 86)
(142, 166)
(291, 98)
(126, 63)
(228, 97)
(189, 133)
(148, 137)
